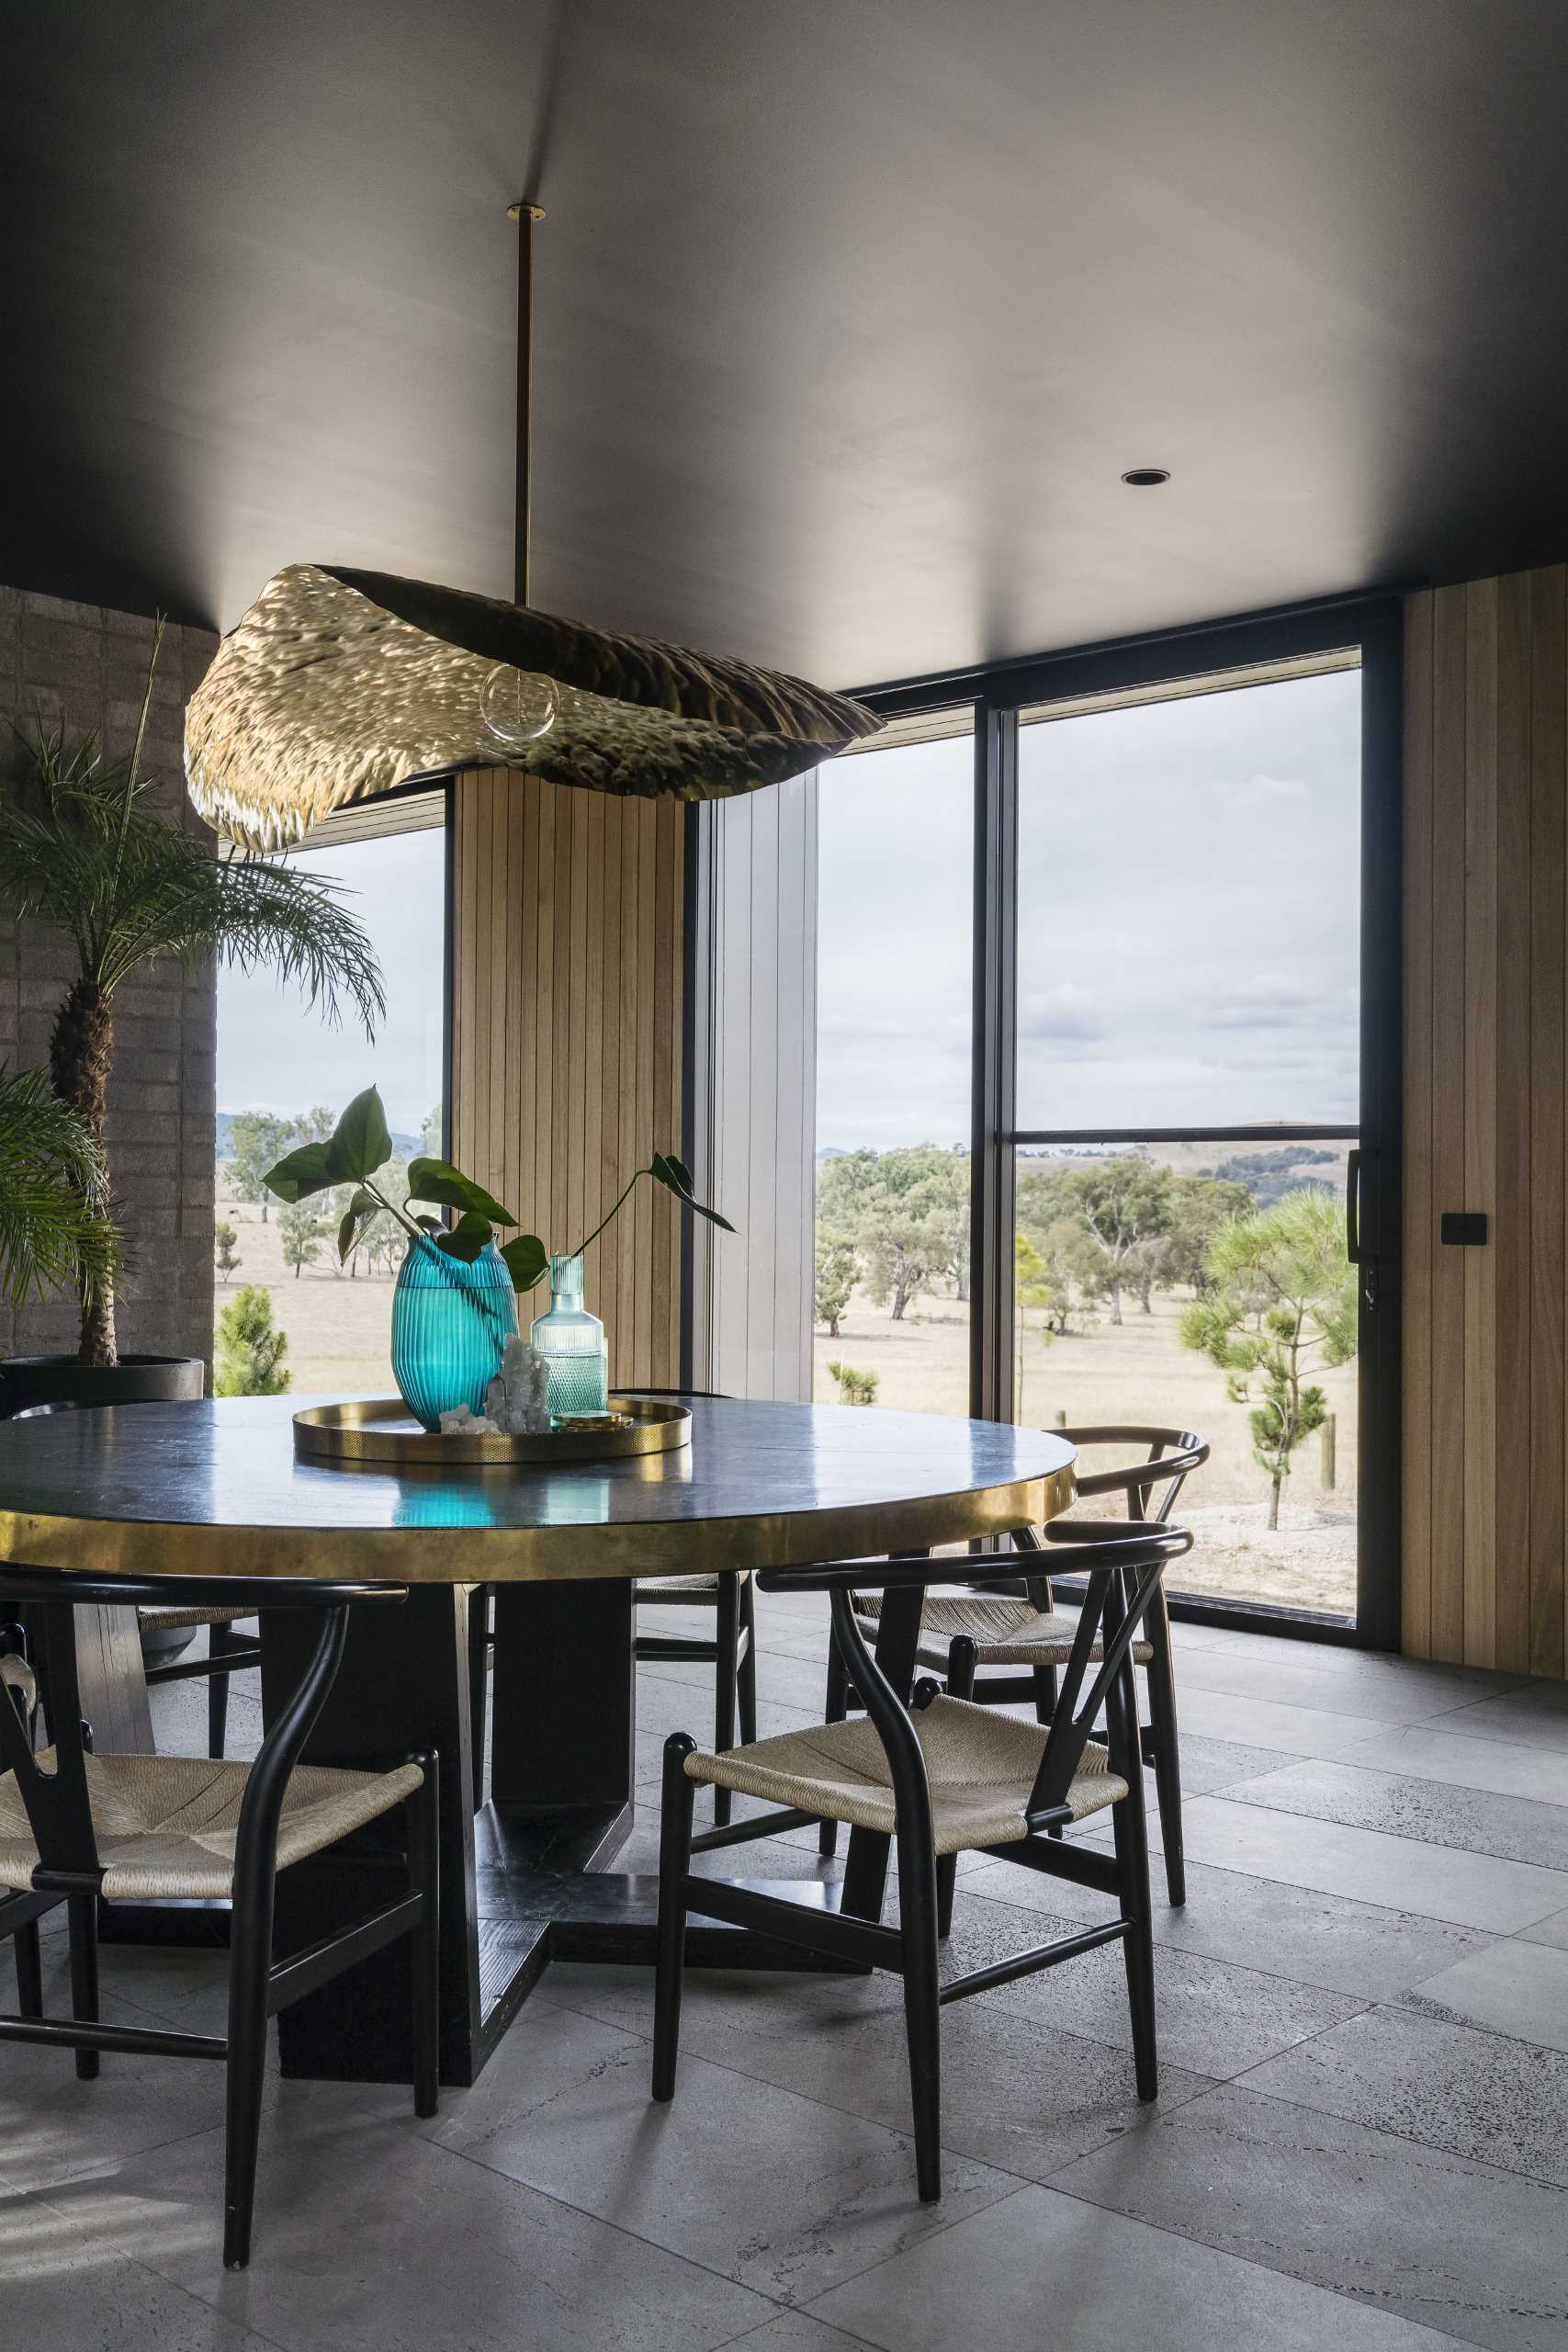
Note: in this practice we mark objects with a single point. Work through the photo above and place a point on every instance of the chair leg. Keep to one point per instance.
(1130, 1828)
(1166, 1748)
(424, 1811)
(1044, 1692)
(725, 1673)
(675, 1862)
(747, 1678)
(835, 1708)
(922, 2013)
(960, 1662)
(1044, 1708)
(82, 1913)
(250, 1962)
(27, 1952)
(219, 1641)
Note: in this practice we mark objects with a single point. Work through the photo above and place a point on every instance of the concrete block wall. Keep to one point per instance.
(87, 666)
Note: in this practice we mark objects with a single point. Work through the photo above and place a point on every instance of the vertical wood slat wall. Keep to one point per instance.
(567, 964)
(1486, 1400)
(754, 1079)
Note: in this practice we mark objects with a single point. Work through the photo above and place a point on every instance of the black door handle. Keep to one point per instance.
(1353, 1207)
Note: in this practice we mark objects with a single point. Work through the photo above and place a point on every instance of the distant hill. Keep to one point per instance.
(406, 1147)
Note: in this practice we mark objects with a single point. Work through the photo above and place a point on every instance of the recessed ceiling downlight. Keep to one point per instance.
(1146, 477)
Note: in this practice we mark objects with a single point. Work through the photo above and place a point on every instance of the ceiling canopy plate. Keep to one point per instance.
(339, 685)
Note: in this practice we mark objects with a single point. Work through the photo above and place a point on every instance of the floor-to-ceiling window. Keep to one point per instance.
(895, 856)
(1138, 908)
(283, 1078)
(1187, 1095)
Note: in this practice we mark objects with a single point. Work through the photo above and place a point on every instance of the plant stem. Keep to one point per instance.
(583, 1246)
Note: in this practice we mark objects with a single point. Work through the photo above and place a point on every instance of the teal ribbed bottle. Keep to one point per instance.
(571, 1342)
(450, 1326)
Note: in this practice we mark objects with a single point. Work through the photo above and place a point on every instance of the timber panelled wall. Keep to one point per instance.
(1486, 1403)
(568, 964)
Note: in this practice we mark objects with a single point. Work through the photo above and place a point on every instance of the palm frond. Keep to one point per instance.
(79, 848)
(55, 1230)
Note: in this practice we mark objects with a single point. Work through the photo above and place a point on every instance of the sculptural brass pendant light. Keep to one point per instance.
(339, 685)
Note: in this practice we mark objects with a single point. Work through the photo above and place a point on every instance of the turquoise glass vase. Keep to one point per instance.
(571, 1342)
(450, 1326)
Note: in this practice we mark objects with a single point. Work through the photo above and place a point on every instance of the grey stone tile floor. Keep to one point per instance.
(1361, 2140)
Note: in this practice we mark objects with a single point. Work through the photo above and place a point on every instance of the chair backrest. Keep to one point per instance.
(56, 1801)
(1151, 1483)
(1121, 1563)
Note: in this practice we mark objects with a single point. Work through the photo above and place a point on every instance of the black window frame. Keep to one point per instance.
(1373, 627)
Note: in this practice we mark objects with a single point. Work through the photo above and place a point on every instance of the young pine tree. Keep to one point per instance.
(251, 1348)
(1282, 1306)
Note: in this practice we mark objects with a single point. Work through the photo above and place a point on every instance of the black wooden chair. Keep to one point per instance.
(19, 1914)
(82, 1829)
(1016, 1623)
(228, 1650)
(943, 1777)
(732, 1651)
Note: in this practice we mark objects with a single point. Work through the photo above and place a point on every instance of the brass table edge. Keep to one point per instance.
(414, 1554)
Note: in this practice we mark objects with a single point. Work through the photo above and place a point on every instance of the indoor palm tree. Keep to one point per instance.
(54, 1233)
(80, 850)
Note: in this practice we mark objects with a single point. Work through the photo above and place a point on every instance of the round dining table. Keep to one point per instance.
(214, 1488)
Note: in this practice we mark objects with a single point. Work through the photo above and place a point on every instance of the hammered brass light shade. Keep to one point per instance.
(337, 685)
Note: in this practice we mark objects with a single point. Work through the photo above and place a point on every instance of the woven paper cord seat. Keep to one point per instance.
(166, 1825)
(1004, 1632)
(980, 1766)
(174, 1621)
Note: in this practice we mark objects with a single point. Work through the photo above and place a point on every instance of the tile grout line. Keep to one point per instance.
(1179, 2237)
(1350, 2123)
(696, 2261)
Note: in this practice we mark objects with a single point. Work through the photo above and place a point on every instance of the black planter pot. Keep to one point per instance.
(134, 1380)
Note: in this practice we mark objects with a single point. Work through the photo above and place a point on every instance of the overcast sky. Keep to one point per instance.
(274, 1054)
(1189, 905)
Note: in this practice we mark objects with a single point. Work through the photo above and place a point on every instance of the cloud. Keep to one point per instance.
(1065, 1012)
(1266, 792)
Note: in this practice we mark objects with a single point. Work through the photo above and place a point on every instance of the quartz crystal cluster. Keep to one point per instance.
(516, 1402)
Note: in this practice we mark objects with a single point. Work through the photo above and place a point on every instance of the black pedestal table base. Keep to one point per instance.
(522, 1883)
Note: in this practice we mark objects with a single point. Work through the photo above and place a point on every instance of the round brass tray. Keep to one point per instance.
(381, 1429)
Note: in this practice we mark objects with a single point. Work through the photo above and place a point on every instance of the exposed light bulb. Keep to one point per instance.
(518, 705)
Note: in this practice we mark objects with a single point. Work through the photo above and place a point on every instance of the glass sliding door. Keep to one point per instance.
(1188, 1100)
(895, 976)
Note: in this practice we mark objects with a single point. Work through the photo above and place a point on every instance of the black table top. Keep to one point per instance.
(214, 1488)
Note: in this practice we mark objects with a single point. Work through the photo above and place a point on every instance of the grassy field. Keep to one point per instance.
(1139, 1372)
(339, 1325)
(338, 1330)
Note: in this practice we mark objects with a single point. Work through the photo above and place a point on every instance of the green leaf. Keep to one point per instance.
(359, 1212)
(676, 1177)
(361, 1143)
(430, 1224)
(467, 1236)
(526, 1259)
(438, 1180)
(303, 1172)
